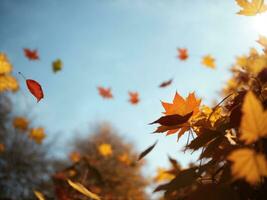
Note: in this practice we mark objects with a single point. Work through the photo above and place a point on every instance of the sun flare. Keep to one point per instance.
(260, 24)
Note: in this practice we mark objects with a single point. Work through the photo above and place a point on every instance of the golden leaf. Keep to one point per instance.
(254, 119)
(75, 156)
(208, 61)
(39, 195)
(37, 134)
(248, 164)
(5, 66)
(8, 83)
(163, 175)
(20, 123)
(251, 8)
(80, 188)
(57, 65)
(105, 149)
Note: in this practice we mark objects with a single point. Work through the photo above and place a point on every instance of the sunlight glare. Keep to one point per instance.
(260, 24)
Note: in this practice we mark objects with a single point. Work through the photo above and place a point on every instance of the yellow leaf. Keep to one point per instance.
(105, 149)
(20, 123)
(75, 156)
(39, 195)
(163, 175)
(248, 164)
(8, 83)
(37, 134)
(57, 65)
(5, 66)
(262, 41)
(208, 61)
(80, 188)
(254, 119)
(251, 8)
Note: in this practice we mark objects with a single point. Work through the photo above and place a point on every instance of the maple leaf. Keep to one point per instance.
(105, 149)
(134, 98)
(208, 61)
(31, 54)
(165, 83)
(80, 188)
(75, 156)
(163, 175)
(105, 92)
(57, 65)
(177, 114)
(182, 53)
(254, 119)
(20, 123)
(37, 134)
(251, 8)
(39, 195)
(34, 87)
(248, 164)
(5, 66)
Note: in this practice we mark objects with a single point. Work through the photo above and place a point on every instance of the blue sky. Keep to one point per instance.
(126, 45)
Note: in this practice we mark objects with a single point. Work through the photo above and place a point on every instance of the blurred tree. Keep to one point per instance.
(24, 164)
(105, 165)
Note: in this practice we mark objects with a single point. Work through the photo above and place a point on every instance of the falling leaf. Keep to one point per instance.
(39, 195)
(180, 109)
(105, 149)
(105, 92)
(147, 151)
(80, 188)
(163, 175)
(75, 156)
(165, 83)
(20, 123)
(34, 87)
(248, 164)
(254, 119)
(263, 42)
(57, 65)
(134, 98)
(208, 61)
(182, 53)
(251, 8)
(37, 134)
(31, 54)
(5, 66)
(2, 147)
(8, 83)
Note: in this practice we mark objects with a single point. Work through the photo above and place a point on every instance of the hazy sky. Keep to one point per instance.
(126, 45)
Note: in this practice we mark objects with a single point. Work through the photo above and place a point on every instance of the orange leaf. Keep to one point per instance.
(182, 53)
(35, 88)
(31, 54)
(105, 92)
(134, 97)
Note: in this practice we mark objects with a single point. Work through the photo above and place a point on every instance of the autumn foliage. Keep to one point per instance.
(105, 165)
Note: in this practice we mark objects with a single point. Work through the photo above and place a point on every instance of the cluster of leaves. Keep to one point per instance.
(231, 136)
(105, 166)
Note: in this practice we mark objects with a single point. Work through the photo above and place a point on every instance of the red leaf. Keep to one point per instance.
(105, 92)
(35, 88)
(165, 83)
(134, 97)
(182, 53)
(31, 54)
